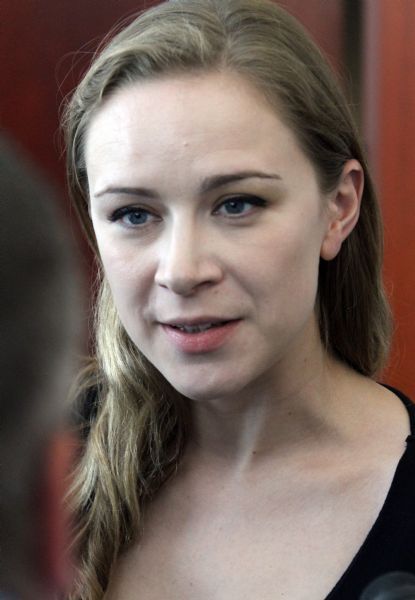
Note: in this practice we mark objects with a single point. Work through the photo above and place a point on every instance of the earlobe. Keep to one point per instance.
(343, 209)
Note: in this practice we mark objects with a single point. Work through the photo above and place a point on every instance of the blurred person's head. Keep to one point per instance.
(39, 315)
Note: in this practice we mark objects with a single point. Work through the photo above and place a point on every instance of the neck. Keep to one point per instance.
(275, 417)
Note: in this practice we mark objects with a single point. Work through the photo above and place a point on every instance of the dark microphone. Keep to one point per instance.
(391, 586)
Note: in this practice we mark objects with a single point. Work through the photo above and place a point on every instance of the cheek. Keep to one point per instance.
(283, 271)
(126, 272)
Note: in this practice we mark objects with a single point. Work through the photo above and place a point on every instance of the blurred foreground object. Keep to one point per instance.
(40, 327)
(391, 586)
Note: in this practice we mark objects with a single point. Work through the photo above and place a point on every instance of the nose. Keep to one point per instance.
(187, 262)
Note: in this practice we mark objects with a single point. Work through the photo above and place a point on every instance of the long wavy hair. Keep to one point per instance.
(136, 423)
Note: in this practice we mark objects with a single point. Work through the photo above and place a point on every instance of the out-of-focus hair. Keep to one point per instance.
(40, 324)
(138, 432)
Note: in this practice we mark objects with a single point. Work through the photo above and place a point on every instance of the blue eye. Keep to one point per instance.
(239, 205)
(132, 217)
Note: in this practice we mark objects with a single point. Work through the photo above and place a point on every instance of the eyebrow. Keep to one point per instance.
(210, 183)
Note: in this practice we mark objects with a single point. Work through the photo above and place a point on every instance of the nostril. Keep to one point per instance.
(179, 285)
(186, 281)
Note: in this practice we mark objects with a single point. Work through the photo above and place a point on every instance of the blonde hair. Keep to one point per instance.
(137, 433)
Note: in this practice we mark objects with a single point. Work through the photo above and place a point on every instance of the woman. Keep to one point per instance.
(236, 445)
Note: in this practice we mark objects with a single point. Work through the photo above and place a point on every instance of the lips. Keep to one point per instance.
(198, 328)
(204, 335)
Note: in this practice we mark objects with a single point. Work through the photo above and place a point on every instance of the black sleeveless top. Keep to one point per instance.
(390, 544)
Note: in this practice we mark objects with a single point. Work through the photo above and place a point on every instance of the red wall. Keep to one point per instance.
(389, 120)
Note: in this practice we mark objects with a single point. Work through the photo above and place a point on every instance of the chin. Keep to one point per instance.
(196, 390)
(205, 387)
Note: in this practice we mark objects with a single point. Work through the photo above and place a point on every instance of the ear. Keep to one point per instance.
(343, 209)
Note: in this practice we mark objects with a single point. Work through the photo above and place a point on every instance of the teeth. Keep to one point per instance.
(196, 328)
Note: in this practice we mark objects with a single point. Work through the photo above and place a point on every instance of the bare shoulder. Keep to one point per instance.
(379, 418)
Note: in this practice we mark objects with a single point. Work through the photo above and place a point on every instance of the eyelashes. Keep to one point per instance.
(233, 208)
(133, 216)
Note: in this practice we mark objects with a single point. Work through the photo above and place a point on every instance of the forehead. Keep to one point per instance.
(214, 92)
(197, 118)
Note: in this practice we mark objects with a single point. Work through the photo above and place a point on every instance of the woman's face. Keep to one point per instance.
(209, 223)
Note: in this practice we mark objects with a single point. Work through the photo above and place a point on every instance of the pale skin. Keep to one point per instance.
(291, 454)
